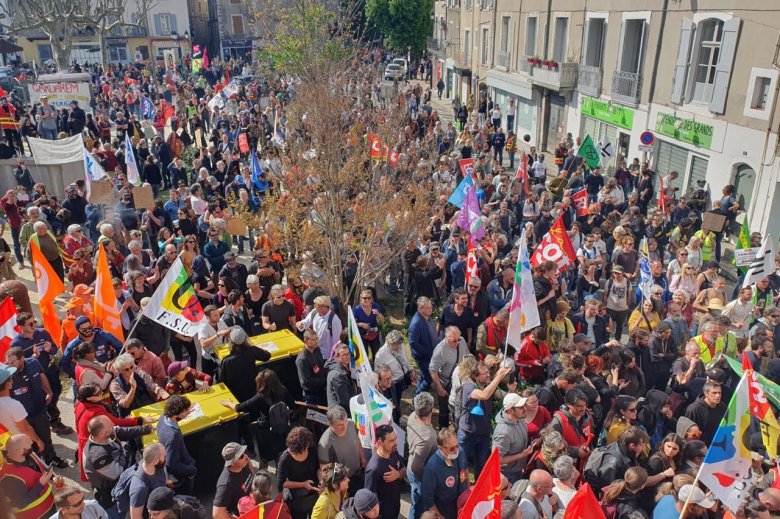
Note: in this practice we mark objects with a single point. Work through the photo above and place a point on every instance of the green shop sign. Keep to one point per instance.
(612, 114)
(685, 130)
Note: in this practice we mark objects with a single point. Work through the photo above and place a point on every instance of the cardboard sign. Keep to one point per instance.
(236, 227)
(101, 192)
(713, 222)
(143, 197)
(744, 257)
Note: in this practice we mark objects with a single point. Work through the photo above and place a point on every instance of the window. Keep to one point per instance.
(561, 39)
(504, 34)
(467, 49)
(486, 4)
(530, 36)
(117, 54)
(44, 52)
(710, 39)
(485, 42)
(760, 93)
(165, 24)
(468, 5)
(632, 49)
(594, 42)
(238, 24)
(235, 1)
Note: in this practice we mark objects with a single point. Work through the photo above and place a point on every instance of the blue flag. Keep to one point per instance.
(258, 178)
(147, 109)
(459, 195)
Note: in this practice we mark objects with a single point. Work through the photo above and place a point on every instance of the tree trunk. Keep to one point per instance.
(103, 47)
(60, 49)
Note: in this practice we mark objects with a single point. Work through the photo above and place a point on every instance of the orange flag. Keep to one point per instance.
(104, 302)
(584, 505)
(49, 287)
(485, 498)
(167, 110)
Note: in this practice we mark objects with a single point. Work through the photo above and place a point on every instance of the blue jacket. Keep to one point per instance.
(498, 296)
(107, 346)
(599, 328)
(215, 254)
(442, 484)
(422, 337)
(178, 462)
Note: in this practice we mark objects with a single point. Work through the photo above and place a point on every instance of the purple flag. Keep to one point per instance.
(470, 217)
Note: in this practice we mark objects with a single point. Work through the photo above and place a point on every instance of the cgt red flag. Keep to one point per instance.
(8, 327)
(555, 246)
(484, 502)
(522, 173)
(584, 505)
(580, 202)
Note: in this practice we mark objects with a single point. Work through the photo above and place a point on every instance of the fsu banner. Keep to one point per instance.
(556, 247)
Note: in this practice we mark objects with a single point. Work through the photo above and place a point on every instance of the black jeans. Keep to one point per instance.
(619, 318)
(444, 411)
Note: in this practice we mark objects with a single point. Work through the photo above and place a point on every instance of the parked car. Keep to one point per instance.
(401, 62)
(393, 72)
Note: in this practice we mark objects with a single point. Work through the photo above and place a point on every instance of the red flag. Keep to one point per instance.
(205, 57)
(746, 364)
(466, 166)
(584, 505)
(3, 93)
(485, 498)
(376, 146)
(522, 173)
(580, 202)
(130, 81)
(472, 270)
(8, 327)
(167, 110)
(555, 246)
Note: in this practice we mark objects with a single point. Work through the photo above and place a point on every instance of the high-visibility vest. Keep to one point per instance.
(726, 343)
(7, 121)
(40, 506)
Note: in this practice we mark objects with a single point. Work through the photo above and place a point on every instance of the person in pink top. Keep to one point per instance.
(147, 361)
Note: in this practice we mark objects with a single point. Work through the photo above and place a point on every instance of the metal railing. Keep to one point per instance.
(562, 77)
(589, 80)
(525, 67)
(626, 87)
(435, 44)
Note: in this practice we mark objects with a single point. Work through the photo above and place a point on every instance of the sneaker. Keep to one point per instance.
(59, 463)
(61, 429)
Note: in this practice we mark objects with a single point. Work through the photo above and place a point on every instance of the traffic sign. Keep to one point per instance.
(645, 149)
(647, 138)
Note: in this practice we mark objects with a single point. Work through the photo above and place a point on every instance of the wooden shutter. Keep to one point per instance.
(157, 25)
(683, 60)
(728, 49)
(174, 28)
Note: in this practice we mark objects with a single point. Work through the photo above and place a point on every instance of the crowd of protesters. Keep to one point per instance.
(618, 387)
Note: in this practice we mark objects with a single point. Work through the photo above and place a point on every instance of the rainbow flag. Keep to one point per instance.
(355, 342)
(523, 309)
(727, 470)
(174, 304)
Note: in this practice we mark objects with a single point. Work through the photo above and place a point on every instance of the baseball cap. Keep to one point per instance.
(696, 496)
(176, 366)
(513, 400)
(618, 268)
(237, 335)
(6, 372)
(74, 302)
(81, 290)
(232, 452)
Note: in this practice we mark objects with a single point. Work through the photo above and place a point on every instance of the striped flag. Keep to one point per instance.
(355, 343)
(472, 269)
(763, 265)
(523, 310)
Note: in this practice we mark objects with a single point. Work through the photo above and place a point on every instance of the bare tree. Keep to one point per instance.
(56, 18)
(109, 14)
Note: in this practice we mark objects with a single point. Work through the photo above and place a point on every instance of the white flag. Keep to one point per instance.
(92, 170)
(763, 265)
(132, 166)
(523, 310)
(606, 151)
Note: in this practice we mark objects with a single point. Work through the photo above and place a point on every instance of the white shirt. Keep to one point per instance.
(207, 331)
(395, 360)
(539, 168)
(198, 205)
(319, 323)
(11, 412)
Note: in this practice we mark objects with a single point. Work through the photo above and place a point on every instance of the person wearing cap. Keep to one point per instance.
(74, 308)
(670, 507)
(238, 367)
(445, 477)
(232, 484)
(106, 344)
(180, 466)
(234, 270)
(324, 321)
(37, 343)
(133, 388)
(26, 482)
(13, 415)
(364, 505)
(183, 379)
(510, 437)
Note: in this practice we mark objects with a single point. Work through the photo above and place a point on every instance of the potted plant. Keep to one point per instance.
(551, 64)
(533, 60)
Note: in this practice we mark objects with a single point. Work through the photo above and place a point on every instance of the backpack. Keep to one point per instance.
(278, 419)
(120, 494)
(591, 473)
(191, 508)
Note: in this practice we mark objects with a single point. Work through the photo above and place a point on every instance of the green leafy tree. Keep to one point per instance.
(403, 23)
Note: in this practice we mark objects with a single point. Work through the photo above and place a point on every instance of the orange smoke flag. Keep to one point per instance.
(584, 505)
(49, 286)
(104, 302)
(484, 501)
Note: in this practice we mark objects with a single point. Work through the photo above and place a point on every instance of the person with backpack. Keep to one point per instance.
(132, 489)
(444, 479)
(621, 496)
(473, 412)
(179, 464)
(325, 322)
(606, 464)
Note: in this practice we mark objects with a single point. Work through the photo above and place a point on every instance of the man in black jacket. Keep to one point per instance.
(77, 119)
(707, 411)
(339, 387)
(590, 323)
(312, 374)
(551, 393)
(616, 458)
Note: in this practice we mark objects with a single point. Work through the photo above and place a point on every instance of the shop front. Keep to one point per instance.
(601, 120)
(682, 145)
(503, 87)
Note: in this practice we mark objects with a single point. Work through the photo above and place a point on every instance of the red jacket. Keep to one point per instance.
(526, 359)
(86, 411)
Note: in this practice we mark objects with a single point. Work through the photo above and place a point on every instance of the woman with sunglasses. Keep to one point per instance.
(335, 487)
(620, 417)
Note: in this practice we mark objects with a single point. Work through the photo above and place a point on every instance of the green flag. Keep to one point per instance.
(743, 242)
(771, 390)
(589, 152)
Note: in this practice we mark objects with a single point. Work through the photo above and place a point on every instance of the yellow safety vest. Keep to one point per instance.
(724, 344)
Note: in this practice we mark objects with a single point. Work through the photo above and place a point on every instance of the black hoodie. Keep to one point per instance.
(706, 417)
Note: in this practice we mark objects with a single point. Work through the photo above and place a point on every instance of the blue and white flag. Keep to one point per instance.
(459, 195)
(258, 177)
(147, 108)
(646, 278)
(92, 170)
(132, 166)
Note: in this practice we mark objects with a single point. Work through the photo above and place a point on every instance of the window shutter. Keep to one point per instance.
(584, 47)
(728, 48)
(157, 25)
(681, 67)
(621, 50)
(173, 23)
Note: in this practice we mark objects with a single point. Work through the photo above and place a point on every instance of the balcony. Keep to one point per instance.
(462, 59)
(589, 80)
(503, 60)
(562, 77)
(435, 45)
(626, 87)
